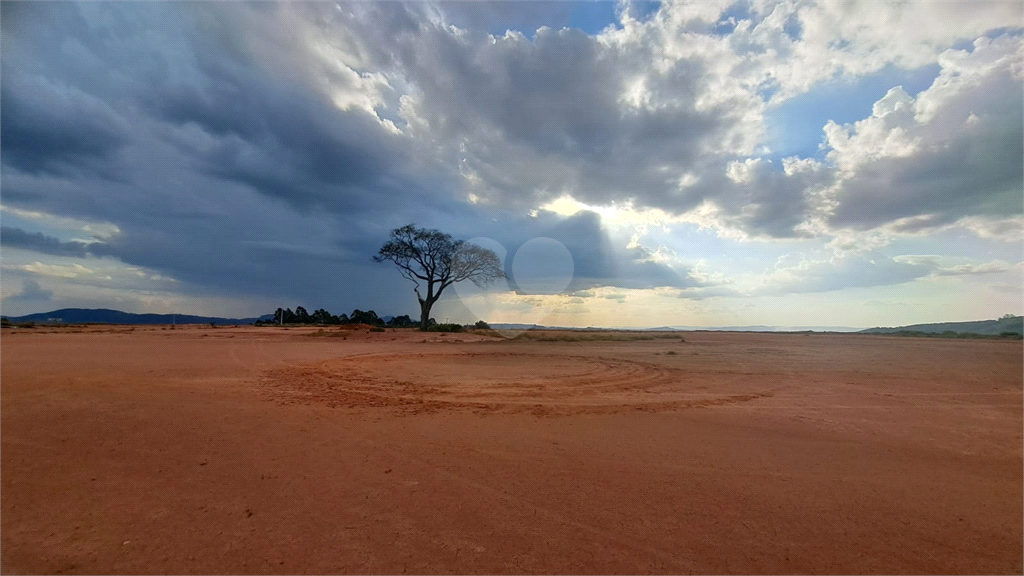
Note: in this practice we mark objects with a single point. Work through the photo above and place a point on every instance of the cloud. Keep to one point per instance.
(39, 242)
(529, 120)
(31, 291)
(974, 269)
(56, 128)
(953, 152)
(57, 270)
(499, 16)
(798, 273)
(597, 260)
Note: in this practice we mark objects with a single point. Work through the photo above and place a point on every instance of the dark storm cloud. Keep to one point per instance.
(258, 126)
(287, 141)
(49, 127)
(39, 242)
(187, 141)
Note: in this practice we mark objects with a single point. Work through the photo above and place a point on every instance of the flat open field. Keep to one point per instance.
(271, 450)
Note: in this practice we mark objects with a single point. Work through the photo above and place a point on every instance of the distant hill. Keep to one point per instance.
(104, 316)
(1013, 324)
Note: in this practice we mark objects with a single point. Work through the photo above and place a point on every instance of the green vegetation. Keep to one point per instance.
(993, 328)
(1008, 335)
(4, 322)
(286, 317)
(444, 327)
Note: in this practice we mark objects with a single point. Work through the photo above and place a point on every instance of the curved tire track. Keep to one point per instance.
(537, 383)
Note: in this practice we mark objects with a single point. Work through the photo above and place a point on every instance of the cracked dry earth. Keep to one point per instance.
(245, 450)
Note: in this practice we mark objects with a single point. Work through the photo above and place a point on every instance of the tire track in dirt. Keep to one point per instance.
(494, 382)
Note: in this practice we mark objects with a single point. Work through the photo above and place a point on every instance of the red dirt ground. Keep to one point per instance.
(270, 450)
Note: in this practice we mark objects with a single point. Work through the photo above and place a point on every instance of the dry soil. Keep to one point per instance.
(275, 450)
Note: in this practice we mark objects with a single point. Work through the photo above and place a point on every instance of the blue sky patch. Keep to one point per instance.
(590, 16)
(593, 17)
(795, 126)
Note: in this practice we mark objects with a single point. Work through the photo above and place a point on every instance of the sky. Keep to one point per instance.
(706, 163)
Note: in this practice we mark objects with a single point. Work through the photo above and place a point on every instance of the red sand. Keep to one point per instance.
(269, 450)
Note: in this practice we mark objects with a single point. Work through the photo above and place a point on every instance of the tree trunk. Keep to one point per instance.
(426, 304)
(424, 314)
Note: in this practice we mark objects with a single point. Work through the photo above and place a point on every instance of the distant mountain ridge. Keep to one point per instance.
(106, 316)
(1007, 323)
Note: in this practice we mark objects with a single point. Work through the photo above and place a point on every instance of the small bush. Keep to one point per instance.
(449, 327)
(480, 324)
(377, 329)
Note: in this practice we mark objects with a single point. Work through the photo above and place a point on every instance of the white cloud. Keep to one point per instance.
(953, 153)
(56, 270)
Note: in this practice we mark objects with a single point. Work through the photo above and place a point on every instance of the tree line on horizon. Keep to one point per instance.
(322, 317)
(301, 316)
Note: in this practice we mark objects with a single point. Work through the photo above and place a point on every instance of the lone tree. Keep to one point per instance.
(434, 258)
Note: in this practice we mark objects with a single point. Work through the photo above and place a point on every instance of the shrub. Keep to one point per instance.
(377, 329)
(442, 327)
(482, 325)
